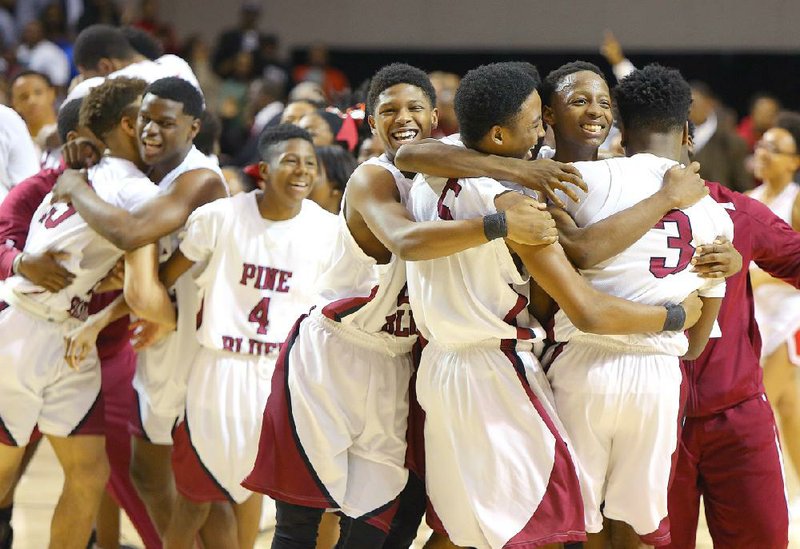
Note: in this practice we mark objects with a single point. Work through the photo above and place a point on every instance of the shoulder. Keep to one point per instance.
(201, 180)
(11, 121)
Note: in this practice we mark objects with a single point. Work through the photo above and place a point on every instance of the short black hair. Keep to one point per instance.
(68, 117)
(492, 95)
(98, 41)
(273, 136)
(209, 134)
(654, 98)
(338, 163)
(143, 42)
(180, 90)
(554, 78)
(106, 105)
(790, 121)
(398, 73)
(30, 72)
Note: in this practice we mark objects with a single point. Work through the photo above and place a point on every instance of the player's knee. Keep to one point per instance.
(90, 473)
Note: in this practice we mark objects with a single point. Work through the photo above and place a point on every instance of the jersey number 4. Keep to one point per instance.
(260, 315)
(682, 242)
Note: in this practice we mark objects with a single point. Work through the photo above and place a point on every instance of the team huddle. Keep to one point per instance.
(517, 357)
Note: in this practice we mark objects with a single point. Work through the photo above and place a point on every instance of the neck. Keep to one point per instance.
(121, 147)
(775, 185)
(160, 170)
(35, 127)
(574, 152)
(271, 208)
(665, 145)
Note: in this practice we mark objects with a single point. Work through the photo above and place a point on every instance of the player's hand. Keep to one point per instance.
(80, 342)
(530, 223)
(81, 153)
(45, 270)
(547, 176)
(145, 333)
(114, 279)
(693, 306)
(67, 183)
(717, 260)
(611, 49)
(683, 186)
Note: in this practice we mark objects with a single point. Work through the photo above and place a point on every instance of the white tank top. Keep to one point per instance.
(364, 295)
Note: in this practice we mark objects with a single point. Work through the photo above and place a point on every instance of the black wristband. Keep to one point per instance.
(676, 318)
(495, 226)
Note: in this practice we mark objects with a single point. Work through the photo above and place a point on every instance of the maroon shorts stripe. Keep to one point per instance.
(282, 469)
(5, 435)
(338, 310)
(558, 519)
(94, 422)
(192, 478)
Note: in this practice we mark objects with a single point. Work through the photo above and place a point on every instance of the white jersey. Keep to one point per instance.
(474, 295)
(260, 274)
(58, 227)
(18, 158)
(777, 304)
(656, 269)
(360, 293)
(147, 70)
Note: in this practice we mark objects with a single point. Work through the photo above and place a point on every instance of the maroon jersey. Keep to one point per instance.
(16, 212)
(728, 371)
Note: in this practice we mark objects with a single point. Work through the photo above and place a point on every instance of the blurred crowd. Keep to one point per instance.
(248, 86)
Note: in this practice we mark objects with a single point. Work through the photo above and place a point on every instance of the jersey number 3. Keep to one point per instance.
(682, 242)
(260, 315)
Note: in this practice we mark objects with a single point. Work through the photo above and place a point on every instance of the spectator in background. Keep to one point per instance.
(318, 70)
(337, 166)
(39, 54)
(148, 20)
(246, 38)
(8, 24)
(370, 148)
(56, 29)
(266, 103)
(764, 109)
(323, 127)
(207, 139)
(296, 109)
(196, 52)
(18, 158)
(34, 98)
(719, 150)
(445, 84)
(99, 12)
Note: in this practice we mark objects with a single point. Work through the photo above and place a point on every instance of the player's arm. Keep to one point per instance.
(588, 309)
(435, 158)
(699, 333)
(588, 246)
(373, 194)
(172, 269)
(159, 216)
(144, 293)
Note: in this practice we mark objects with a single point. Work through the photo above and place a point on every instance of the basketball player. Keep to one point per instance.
(39, 388)
(263, 252)
(336, 416)
(103, 51)
(626, 464)
(489, 393)
(168, 121)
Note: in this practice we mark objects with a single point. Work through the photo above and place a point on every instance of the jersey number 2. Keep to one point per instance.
(260, 315)
(682, 242)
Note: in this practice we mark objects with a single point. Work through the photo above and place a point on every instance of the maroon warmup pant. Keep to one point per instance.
(733, 460)
(118, 394)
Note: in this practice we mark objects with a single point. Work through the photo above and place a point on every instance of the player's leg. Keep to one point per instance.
(185, 522)
(247, 515)
(411, 508)
(107, 524)
(7, 502)
(83, 459)
(686, 488)
(296, 526)
(781, 384)
(151, 473)
(219, 529)
(744, 490)
(439, 541)
(10, 463)
(328, 533)
(623, 536)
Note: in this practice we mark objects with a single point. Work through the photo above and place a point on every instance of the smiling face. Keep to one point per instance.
(291, 172)
(518, 136)
(403, 114)
(580, 110)
(165, 132)
(775, 157)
